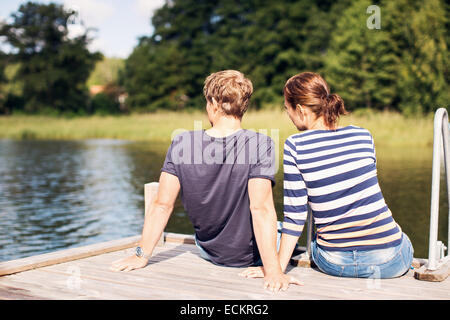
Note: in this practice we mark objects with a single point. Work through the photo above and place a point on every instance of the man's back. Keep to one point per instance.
(213, 174)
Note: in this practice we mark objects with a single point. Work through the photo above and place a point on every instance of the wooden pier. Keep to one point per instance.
(176, 271)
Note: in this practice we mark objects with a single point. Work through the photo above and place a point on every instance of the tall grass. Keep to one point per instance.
(388, 128)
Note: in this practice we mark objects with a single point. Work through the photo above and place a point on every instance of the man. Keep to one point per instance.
(225, 175)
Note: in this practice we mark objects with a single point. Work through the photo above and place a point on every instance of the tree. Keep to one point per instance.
(401, 66)
(419, 36)
(360, 64)
(268, 41)
(52, 67)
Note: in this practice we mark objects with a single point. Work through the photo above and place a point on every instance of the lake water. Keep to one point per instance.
(62, 194)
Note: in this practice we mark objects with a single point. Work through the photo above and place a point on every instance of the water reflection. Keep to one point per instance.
(61, 194)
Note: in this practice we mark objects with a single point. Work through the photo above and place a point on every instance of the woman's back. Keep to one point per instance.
(335, 172)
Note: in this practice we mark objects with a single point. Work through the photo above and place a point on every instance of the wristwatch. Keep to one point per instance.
(140, 253)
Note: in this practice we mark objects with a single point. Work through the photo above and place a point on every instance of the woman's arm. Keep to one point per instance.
(287, 246)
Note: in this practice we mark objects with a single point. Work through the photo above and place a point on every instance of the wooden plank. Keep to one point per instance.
(220, 282)
(302, 260)
(176, 271)
(174, 282)
(179, 238)
(433, 275)
(13, 293)
(173, 286)
(405, 287)
(54, 286)
(34, 288)
(313, 288)
(217, 282)
(418, 262)
(171, 276)
(406, 284)
(60, 256)
(38, 261)
(318, 285)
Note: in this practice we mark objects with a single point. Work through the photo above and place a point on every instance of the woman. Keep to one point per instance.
(333, 169)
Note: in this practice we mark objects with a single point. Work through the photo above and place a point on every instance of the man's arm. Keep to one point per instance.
(154, 223)
(265, 227)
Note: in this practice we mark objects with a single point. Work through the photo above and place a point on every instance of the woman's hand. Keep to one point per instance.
(279, 282)
(129, 263)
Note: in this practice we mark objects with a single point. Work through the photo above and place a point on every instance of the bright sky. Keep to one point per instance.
(119, 22)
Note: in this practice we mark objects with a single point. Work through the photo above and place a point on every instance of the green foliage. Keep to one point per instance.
(268, 41)
(103, 104)
(402, 66)
(419, 36)
(53, 68)
(106, 71)
(360, 64)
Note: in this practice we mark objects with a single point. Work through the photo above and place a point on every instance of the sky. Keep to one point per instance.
(119, 23)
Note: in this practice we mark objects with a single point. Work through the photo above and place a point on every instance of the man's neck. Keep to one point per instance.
(224, 126)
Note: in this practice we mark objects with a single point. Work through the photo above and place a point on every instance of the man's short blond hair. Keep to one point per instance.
(231, 90)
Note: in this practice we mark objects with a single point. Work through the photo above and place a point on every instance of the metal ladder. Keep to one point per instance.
(436, 249)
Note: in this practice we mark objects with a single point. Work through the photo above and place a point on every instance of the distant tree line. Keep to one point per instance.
(402, 64)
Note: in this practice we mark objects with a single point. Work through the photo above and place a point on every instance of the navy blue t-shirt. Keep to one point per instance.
(214, 175)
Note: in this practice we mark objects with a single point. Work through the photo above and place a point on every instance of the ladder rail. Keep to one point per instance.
(440, 141)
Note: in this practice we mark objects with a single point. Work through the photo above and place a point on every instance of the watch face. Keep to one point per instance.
(139, 251)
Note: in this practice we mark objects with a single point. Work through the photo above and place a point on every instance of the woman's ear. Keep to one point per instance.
(301, 111)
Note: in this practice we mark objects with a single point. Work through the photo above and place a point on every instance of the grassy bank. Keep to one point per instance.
(389, 129)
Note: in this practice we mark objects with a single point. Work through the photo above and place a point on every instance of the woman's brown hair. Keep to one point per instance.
(309, 89)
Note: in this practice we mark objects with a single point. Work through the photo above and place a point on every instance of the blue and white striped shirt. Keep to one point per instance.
(334, 171)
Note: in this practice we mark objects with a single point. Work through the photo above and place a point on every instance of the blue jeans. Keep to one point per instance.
(205, 255)
(378, 263)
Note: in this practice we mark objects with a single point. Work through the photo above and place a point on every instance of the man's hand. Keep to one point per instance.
(275, 282)
(253, 272)
(129, 263)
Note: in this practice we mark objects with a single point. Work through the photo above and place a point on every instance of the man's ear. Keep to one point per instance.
(215, 105)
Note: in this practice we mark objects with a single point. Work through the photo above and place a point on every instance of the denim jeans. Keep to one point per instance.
(205, 255)
(378, 263)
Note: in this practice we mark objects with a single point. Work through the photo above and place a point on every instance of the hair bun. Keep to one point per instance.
(334, 107)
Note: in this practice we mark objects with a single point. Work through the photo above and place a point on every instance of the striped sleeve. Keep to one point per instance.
(295, 194)
(373, 147)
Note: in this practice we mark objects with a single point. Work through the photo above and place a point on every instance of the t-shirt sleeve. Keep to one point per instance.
(169, 165)
(295, 200)
(264, 165)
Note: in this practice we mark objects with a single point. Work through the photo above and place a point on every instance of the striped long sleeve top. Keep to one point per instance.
(334, 172)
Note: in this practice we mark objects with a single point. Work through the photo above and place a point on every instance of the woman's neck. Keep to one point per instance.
(319, 124)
